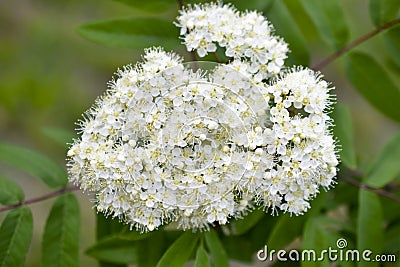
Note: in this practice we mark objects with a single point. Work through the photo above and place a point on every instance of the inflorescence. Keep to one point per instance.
(202, 143)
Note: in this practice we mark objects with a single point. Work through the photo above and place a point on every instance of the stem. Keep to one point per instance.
(41, 198)
(326, 61)
(369, 188)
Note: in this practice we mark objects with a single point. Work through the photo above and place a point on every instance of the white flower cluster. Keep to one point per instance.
(245, 36)
(170, 144)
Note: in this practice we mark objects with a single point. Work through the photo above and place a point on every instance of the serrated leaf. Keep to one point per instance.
(15, 237)
(330, 21)
(287, 27)
(216, 248)
(60, 136)
(179, 252)
(134, 33)
(35, 164)
(114, 249)
(374, 84)
(201, 259)
(382, 11)
(10, 192)
(241, 226)
(344, 131)
(150, 6)
(387, 167)
(60, 246)
(369, 224)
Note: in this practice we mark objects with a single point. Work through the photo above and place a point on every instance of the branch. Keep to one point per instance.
(372, 189)
(41, 198)
(326, 61)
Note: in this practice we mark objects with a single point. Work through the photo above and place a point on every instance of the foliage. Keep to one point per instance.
(366, 216)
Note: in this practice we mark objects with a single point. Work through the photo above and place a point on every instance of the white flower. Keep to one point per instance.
(170, 144)
(246, 36)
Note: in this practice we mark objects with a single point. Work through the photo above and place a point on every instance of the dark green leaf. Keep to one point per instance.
(10, 192)
(287, 27)
(392, 240)
(344, 131)
(60, 247)
(392, 41)
(151, 6)
(374, 84)
(241, 226)
(201, 258)
(179, 252)
(287, 229)
(369, 223)
(134, 33)
(214, 245)
(107, 227)
(387, 166)
(60, 136)
(150, 250)
(319, 234)
(35, 164)
(239, 247)
(114, 249)
(382, 11)
(302, 19)
(330, 21)
(15, 237)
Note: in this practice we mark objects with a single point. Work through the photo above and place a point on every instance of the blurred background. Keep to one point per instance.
(49, 76)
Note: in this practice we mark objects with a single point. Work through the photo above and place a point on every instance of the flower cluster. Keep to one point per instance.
(245, 36)
(171, 144)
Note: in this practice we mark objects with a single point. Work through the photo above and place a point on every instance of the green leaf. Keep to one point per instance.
(382, 11)
(319, 234)
(304, 22)
(201, 258)
(218, 253)
(374, 84)
(60, 246)
(179, 252)
(35, 164)
(392, 41)
(239, 247)
(150, 250)
(10, 192)
(287, 229)
(329, 19)
(134, 33)
(387, 166)
(344, 131)
(241, 226)
(287, 27)
(114, 249)
(369, 224)
(151, 6)
(107, 227)
(15, 237)
(60, 136)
